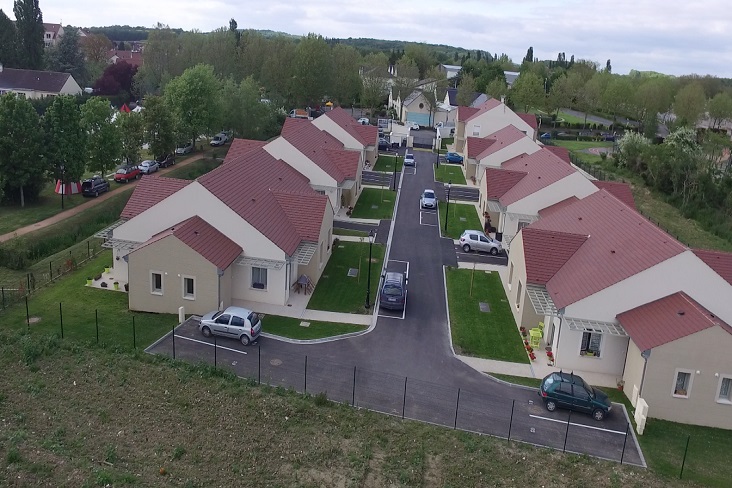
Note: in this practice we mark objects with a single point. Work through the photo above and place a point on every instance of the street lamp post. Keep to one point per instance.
(63, 185)
(368, 281)
(396, 162)
(447, 208)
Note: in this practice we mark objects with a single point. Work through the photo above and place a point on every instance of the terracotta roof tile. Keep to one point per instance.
(621, 191)
(477, 145)
(346, 161)
(529, 119)
(26, 79)
(133, 58)
(561, 152)
(719, 261)
(365, 134)
(547, 251)
(621, 244)
(543, 168)
(499, 181)
(464, 113)
(668, 319)
(312, 142)
(557, 206)
(486, 106)
(240, 147)
(151, 190)
(207, 241)
(501, 138)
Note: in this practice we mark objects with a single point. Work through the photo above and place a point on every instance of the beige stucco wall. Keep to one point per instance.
(225, 287)
(71, 87)
(413, 107)
(326, 124)
(496, 159)
(524, 314)
(496, 119)
(706, 352)
(276, 293)
(172, 259)
(315, 268)
(610, 361)
(633, 374)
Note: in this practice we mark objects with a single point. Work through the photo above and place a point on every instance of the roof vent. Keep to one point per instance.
(680, 313)
(195, 232)
(579, 218)
(254, 200)
(612, 251)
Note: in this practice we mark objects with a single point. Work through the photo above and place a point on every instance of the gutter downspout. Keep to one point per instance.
(559, 334)
(645, 355)
(219, 274)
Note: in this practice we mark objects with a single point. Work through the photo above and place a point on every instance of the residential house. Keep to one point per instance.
(362, 138)
(37, 84)
(489, 117)
(511, 77)
(243, 232)
(330, 167)
(133, 58)
(495, 149)
(52, 34)
(451, 71)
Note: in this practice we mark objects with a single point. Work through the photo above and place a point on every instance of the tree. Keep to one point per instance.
(421, 57)
(346, 84)
(21, 149)
(405, 81)
(689, 104)
(277, 66)
(158, 126)
(616, 95)
(68, 58)
(311, 72)
(497, 88)
(65, 138)
(720, 110)
(234, 29)
(608, 67)
(466, 91)
(104, 144)
(244, 112)
(560, 95)
(8, 42)
(29, 24)
(430, 91)
(529, 58)
(527, 91)
(132, 135)
(117, 81)
(193, 99)
(96, 51)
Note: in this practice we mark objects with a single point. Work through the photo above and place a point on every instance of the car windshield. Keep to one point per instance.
(429, 194)
(216, 315)
(121, 171)
(392, 290)
(409, 156)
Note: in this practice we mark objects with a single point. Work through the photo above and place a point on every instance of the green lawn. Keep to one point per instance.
(386, 163)
(455, 223)
(349, 232)
(194, 170)
(446, 141)
(13, 216)
(489, 335)
(374, 203)
(290, 327)
(580, 145)
(338, 292)
(450, 172)
(78, 304)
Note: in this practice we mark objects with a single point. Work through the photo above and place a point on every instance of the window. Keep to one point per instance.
(581, 394)
(590, 344)
(518, 295)
(237, 321)
(189, 288)
(259, 278)
(724, 395)
(476, 131)
(682, 383)
(156, 283)
(510, 275)
(223, 319)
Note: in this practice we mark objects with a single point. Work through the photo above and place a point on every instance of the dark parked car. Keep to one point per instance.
(127, 173)
(393, 295)
(383, 144)
(94, 186)
(545, 135)
(567, 390)
(166, 160)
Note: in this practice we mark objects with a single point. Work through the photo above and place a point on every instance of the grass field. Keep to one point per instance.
(292, 328)
(349, 232)
(580, 145)
(49, 204)
(194, 170)
(490, 335)
(450, 172)
(338, 292)
(374, 203)
(462, 217)
(386, 163)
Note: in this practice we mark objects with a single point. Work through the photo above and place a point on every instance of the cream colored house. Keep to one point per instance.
(37, 84)
(493, 115)
(494, 149)
(354, 136)
(255, 203)
(52, 34)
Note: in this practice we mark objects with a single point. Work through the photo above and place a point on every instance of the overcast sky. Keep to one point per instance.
(670, 36)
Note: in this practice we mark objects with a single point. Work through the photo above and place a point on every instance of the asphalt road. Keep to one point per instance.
(405, 366)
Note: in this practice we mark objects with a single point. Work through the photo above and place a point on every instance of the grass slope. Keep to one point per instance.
(290, 327)
(381, 199)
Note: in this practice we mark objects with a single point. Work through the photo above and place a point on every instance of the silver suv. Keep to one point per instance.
(237, 322)
(475, 240)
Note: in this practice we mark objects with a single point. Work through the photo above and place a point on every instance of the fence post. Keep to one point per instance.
(88, 250)
(3, 292)
(50, 271)
(27, 275)
(27, 312)
(510, 422)
(61, 317)
(259, 363)
(566, 434)
(625, 441)
(174, 341)
(683, 462)
(215, 353)
(404, 399)
(457, 408)
(305, 389)
(134, 338)
(353, 395)
(96, 323)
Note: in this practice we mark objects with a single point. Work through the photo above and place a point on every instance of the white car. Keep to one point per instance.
(411, 125)
(364, 121)
(235, 322)
(184, 148)
(219, 139)
(476, 240)
(409, 159)
(148, 166)
(428, 200)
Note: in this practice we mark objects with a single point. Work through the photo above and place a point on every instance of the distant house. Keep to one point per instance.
(511, 77)
(37, 84)
(133, 58)
(451, 71)
(53, 34)
(488, 118)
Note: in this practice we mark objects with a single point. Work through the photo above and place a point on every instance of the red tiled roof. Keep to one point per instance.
(503, 138)
(498, 181)
(486, 106)
(312, 142)
(529, 119)
(151, 190)
(369, 134)
(464, 113)
(621, 191)
(543, 169)
(54, 28)
(133, 58)
(561, 152)
(559, 205)
(668, 319)
(207, 241)
(240, 147)
(365, 134)
(346, 161)
(252, 186)
(547, 251)
(621, 244)
(719, 261)
(477, 145)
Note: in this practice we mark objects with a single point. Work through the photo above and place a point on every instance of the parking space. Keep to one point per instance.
(428, 217)
(480, 257)
(410, 170)
(396, 266)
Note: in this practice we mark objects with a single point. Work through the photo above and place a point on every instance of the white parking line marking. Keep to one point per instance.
(209, 344)
(578, 425)
(428, 213)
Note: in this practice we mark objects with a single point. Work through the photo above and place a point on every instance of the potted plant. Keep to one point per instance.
(98, 277)
(621, 384)
(532, 356)
(116, 285)
(127, 287)
(106, 269)
(88, 281)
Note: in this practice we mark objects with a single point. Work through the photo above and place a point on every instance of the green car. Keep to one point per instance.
(567, 390)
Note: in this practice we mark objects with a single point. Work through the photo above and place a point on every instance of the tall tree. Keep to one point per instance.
(421, 57)
(405, 82)
(193, 98)
(560, 95)
(466, 90)
(29, 22)
(132, 135)
(529, 58)
(158, 126)
(104, 145)
(21, 149)
(65, 138)
(96, 52)
(245, 113)
(346, 84)
(8, 42)
(67, 57)
(608, 67)
(234, 29)
(497, 88)
(311, 72)
(527, 91)
(689, 104)
(117, 81)
(719, 109)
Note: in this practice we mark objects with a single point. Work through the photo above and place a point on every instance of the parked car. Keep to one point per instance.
(545, 135)
(476, 240)
(411, 125)
(383, 144)
(606, 136)
(364, 121)
(381, 132)
(409, 159)
(184, 148)
(453, 157)
(236, 322)
(94, 186)
(219, 139)
(428, 199)
(165, 160)
(126, 173)
(148, 166)
(567, 390)
(393, 294)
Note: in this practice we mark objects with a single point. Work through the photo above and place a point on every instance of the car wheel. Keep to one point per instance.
(494, 251)
(137, 176)
(466, 248)
(206, 331)
(551, 405)
(598, 414)
(245, 339)
(96, 193)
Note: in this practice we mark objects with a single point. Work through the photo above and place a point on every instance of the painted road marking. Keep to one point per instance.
(210, 344)
(578, 425)
(428, 212)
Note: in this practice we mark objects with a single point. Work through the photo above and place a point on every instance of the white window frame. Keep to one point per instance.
(187, 296)
(599, 347)
(519, 291)
(266, 278)
(153, 290)
(728, 400)
(476, 130)
(510, 274)
(690, 372)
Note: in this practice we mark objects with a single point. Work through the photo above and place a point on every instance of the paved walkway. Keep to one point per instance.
(61, 216)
